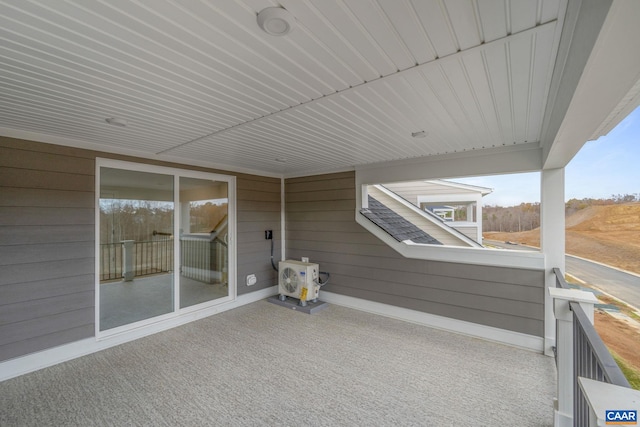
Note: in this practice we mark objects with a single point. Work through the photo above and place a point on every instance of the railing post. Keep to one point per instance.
(128, 268)
(603, 397)
(563, 412)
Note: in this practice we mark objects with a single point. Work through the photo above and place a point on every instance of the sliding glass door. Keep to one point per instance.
(164, 243)
(204, 238)
(136, 246)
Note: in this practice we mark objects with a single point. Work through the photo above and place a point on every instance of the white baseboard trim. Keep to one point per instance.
(32, 362)
(502, 336)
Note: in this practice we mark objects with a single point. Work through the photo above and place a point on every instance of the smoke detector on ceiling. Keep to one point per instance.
(276, 21)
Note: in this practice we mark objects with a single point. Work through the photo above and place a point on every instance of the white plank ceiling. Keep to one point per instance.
(200, 82)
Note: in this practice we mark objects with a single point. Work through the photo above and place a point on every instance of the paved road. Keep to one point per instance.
(623, 286)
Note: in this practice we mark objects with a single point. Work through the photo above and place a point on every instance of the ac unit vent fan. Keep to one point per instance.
(298, 280)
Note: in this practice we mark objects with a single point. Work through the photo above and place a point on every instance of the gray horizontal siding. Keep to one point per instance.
(39, 216)
(22, 273)
(38, 179)
(323, 195)
(47, 233)
(340, 181)
(258, 210)
(483, 317)
(21, 311)
(37, 197)
(362, 266)
(43, 289)
(16, 332)
(33, 157)
(40, 342)
(44, 252)
(47, 241)
(32, 234)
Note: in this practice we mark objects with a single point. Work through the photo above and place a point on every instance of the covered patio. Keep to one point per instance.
(294, 108)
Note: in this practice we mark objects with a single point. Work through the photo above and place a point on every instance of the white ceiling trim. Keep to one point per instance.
(83, 144)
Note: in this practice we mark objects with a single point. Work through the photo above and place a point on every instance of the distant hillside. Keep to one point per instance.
(612, 218)
(609, 234)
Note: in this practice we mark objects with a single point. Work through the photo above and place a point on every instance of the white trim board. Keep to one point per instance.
(489, 333)
(460, 255)
(32, 362)
(283, 220)
(491, 161)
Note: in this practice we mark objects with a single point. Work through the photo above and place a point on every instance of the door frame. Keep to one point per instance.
(177, 312)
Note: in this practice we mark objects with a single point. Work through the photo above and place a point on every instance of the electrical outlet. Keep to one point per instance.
(251, 280)
(268, 234)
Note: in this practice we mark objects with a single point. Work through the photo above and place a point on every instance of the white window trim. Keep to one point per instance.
(191, 311)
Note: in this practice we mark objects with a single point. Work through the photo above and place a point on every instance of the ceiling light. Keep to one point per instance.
(116, 121)
(276, 21)
(420, 134)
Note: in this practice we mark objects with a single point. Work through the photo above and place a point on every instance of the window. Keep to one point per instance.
(452, 219)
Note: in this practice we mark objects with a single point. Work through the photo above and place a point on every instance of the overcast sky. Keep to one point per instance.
(609, 165)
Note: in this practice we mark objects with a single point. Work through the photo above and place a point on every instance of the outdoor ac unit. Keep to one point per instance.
(299, 280)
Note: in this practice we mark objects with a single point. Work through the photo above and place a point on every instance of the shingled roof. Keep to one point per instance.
(395, 225)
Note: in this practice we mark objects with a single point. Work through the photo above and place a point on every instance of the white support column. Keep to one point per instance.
(551, 242)
(563, 413)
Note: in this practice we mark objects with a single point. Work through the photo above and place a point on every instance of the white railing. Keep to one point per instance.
(203, 259)
(128, 259)
(582, 358)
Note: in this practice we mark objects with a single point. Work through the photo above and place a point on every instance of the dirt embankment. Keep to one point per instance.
(621, 337)
(607, 234)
